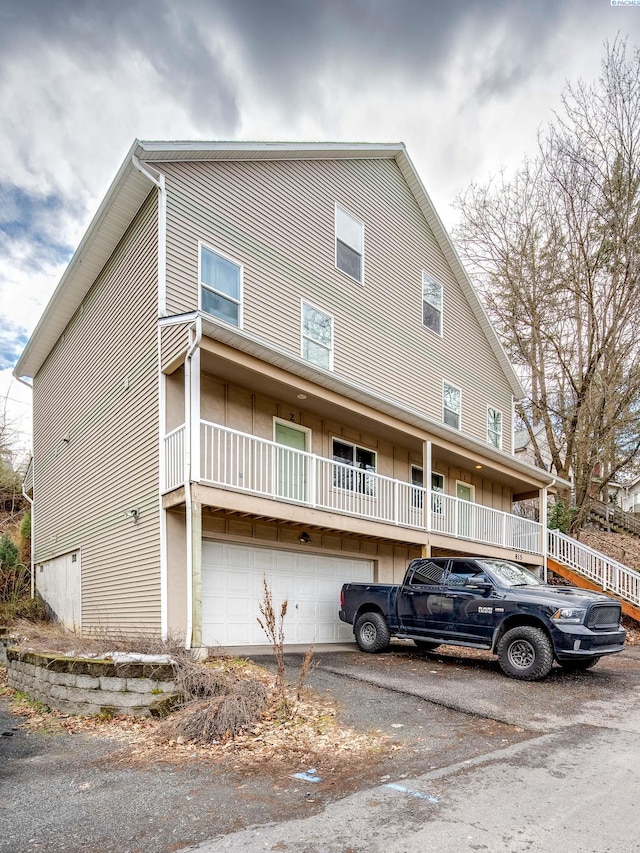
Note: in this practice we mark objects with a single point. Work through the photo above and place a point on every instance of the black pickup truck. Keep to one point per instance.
(487, 604)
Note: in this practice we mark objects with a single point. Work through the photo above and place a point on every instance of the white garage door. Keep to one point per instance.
(232, 590)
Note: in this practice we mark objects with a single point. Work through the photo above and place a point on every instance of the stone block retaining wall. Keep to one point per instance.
(80, 686)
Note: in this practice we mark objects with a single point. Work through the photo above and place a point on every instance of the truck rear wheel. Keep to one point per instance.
(372, 632)
(525, 653)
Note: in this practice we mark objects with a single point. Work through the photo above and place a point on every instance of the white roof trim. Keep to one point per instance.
(130, 188)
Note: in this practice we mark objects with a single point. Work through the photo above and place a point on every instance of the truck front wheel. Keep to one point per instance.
(525, 653)
(372, 632)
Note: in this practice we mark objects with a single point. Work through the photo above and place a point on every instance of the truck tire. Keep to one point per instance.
(525, 653)
(372, 632)
(426, 645)
(578, 665)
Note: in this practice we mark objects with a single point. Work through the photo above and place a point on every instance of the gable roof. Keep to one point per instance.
(130, 187)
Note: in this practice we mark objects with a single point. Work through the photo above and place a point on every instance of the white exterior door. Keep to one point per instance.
(232, 590)
(58, 582)
(291, 466)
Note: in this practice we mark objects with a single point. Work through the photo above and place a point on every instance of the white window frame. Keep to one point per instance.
(239, 302)
(445, 383)
(355, 446)
(498, 446)
(304, 337)
(361, 224)
(439, 331)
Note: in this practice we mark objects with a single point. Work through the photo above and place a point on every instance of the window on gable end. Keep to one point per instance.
(317, 336)
(431, 303)
(451, 405)
(494, 427)
(220, 286)
(349, 244)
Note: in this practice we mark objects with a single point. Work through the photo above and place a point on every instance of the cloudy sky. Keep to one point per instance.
(466, 84)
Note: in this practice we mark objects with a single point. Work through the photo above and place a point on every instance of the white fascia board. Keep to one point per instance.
(445, 243)
(148, 150)
(272, 354)
(124, 198)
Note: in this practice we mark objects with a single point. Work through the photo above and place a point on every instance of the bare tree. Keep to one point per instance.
(556, 252)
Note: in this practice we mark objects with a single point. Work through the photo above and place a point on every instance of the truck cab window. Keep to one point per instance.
(427, 573)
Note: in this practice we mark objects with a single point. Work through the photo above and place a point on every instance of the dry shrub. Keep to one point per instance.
(218, 717)
(274, 629)
(197, 681)
(305, 669)
(55, 638)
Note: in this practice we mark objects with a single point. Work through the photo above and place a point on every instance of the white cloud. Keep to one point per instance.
(465, 85)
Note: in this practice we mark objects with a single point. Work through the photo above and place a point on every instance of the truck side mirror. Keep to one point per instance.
(479, 583)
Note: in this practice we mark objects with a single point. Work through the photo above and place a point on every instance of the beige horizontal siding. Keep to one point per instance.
(277, 220)
(99, 388)
(174, 342)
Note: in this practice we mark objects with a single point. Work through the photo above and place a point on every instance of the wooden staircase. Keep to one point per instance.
(587, 568)
(611, 517)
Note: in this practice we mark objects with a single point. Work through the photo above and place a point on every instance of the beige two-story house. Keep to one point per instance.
(265, 361)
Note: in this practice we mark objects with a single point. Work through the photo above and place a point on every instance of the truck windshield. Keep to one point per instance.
(509, 574)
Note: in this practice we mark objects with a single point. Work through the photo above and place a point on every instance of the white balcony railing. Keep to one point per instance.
(243, 462)
(174, 458)
(606, 573)
(465, 520)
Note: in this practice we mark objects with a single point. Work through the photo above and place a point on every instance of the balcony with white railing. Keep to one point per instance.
(245, 463)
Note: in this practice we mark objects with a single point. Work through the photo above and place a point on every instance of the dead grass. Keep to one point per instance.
(229, 706)
(55, 638)
(312, 737)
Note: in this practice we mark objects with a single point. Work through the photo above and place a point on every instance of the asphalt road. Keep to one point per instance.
(483, 763)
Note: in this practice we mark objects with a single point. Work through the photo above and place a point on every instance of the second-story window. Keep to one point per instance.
(494, 427)
(220, 286)
(451, 405)
(349, 244)
(317, 336)
(431, 303)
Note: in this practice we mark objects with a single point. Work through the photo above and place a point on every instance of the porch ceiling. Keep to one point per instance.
(317, 404)
(285, 388)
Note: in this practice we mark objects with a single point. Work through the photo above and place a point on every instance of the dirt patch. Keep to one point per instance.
(310, 734)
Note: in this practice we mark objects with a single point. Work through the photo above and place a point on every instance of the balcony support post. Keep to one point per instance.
(544, 537)
(426, 467)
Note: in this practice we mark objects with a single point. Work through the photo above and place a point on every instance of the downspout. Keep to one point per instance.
(158, 180)
(31, 501)
(195, 336)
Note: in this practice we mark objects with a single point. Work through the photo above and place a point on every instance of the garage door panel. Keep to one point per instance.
(232, 585)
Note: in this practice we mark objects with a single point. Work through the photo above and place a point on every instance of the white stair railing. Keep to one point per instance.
(608, 574)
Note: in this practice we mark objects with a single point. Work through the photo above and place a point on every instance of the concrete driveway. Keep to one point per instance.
(451, 716)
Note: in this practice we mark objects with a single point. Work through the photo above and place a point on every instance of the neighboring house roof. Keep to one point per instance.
(130, 187)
